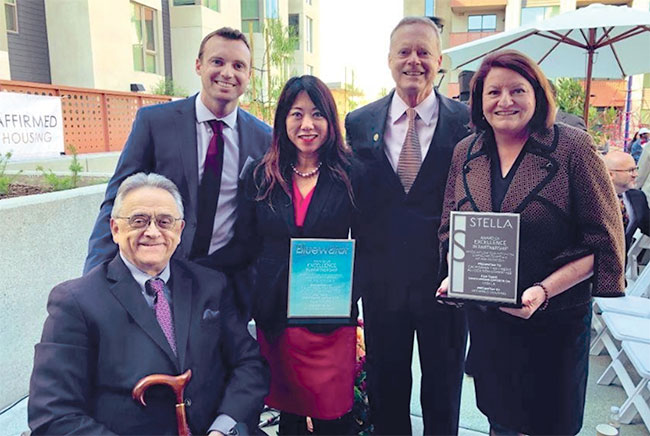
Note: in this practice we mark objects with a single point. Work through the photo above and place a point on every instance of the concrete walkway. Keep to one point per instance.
(599, 400)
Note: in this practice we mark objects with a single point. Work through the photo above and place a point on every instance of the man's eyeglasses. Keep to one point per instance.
(142, 221)
(630, 171)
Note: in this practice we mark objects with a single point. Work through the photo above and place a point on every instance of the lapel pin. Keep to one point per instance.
(376, 137)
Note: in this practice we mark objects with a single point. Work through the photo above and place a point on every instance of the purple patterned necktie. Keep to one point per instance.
(163, 311)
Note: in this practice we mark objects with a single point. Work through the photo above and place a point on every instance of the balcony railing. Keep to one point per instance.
(464, 5)
(458, 38)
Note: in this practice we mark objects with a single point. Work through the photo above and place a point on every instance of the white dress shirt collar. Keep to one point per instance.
(203, 114)
(427, 110)
(140, 276)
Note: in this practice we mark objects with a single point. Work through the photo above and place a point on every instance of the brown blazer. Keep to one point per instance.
(567, 204)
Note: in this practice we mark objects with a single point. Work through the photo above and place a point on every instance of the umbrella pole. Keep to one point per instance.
(590, 65)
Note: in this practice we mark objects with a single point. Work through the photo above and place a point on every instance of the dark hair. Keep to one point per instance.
(544, 115)
(334, 153)
(226, 33)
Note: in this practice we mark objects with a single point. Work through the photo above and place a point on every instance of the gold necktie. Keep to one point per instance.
(410, 158)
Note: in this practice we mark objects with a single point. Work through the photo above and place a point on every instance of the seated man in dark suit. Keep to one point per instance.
(138, 314)
(634, 206)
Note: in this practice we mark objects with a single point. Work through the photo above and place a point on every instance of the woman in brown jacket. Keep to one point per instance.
(530, 364)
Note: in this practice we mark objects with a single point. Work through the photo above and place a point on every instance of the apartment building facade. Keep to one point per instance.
(113, 44)
(468, 20)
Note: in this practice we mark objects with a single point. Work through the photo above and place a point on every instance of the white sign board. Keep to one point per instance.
(31, 126)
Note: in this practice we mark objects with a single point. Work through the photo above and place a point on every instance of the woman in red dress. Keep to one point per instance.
(302, 188)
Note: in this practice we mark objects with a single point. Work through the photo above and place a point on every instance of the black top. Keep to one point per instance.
(500, 184)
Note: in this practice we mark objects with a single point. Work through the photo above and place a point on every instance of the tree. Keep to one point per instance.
(167, 86)
(269, 78)
(570, 97)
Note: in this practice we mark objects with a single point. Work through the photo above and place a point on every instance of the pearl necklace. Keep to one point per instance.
(309, 173)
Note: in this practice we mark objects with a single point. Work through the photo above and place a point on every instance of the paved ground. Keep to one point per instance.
(473, 423)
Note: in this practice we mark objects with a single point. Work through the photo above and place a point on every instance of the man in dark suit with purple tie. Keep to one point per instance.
(203, 144)
(139, 314)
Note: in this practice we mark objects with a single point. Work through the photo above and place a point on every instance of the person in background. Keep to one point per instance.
(530, 363)
(638, 145)
(302, 188)
(139, 314)
(633, 202)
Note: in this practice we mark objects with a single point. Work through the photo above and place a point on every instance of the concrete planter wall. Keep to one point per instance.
(43, 241)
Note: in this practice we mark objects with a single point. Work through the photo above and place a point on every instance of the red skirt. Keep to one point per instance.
(312, 374)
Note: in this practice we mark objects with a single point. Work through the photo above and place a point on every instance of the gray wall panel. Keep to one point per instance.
(29, 58)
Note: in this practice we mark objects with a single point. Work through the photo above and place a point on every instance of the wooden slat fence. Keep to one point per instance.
(94, 120)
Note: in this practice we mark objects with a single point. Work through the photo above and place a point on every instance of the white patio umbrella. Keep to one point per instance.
(597, 41)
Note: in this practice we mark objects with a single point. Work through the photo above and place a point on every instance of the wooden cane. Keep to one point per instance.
(177, 383)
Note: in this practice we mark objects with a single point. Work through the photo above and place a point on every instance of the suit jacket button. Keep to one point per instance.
(188, 402)
(375, 137)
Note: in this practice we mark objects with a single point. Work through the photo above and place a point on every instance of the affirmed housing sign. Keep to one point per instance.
(31, 126)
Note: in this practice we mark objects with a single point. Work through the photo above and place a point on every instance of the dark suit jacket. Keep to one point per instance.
(263, 234)
(101, 337)
(567, 206)
(398, 241)
(640, 216)
(163, 140)
(571, 120)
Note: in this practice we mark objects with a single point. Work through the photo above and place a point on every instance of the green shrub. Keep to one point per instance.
(60, 183)
(5, 180)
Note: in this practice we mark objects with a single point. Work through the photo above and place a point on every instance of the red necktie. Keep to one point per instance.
(626, 216)
(209, 191)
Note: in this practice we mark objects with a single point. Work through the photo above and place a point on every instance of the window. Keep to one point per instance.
(272, 9)
(308, 2)
(309, 39)
(250, 14)
(531, 16)
(429, 9)
(482, 23)
(11, 15)
(144, 38)
(294, 29)
(212, 4)
(215, 5)
(310, 70)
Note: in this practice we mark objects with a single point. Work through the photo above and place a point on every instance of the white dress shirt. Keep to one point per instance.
(224, 217)
(397, 126)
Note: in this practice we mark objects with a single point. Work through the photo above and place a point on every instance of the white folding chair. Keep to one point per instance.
(628, 305)
(641, 285)
(640, 243)
(618, 327)
(638, 354)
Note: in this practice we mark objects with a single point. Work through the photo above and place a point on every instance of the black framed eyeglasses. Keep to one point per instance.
(630, 171)
(142, 221)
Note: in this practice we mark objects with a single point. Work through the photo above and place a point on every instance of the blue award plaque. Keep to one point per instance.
(320, 280)
(484, 257)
